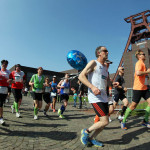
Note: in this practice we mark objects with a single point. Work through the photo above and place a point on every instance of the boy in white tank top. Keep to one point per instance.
(97, 95)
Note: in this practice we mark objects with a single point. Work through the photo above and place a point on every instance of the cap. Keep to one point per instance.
(54, 76)
(108, 61)
(17, 65)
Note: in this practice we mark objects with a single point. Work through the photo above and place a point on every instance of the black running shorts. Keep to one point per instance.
(37, 96)
(46, 97)
(118, 96)
(138, 94)
(17, 94)
(101, 109)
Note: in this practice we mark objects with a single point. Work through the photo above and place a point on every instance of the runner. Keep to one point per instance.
(139, 89)
(120, 92)
(18, 79)
(80, 93)
(54, 92)
(64, 85)
(97, 82)
(109, 95)
(46, 95)
(36, 83)
(4, 83)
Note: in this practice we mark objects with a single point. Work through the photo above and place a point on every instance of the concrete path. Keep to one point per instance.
(64, 134)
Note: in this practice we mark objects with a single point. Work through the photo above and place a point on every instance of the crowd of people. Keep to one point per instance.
(95, 76)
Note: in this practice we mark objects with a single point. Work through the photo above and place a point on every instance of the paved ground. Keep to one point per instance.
(64, 134)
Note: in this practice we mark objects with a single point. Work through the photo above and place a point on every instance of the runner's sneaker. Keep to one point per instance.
(123, 126)
(146, 124)
(110, 119)
(96, 143)
(45, 114)
(2, 122)
(35, 117)
(85, 138)
(59, 112)
(12, 109)
(18, 115)
(54, 110)
(61, 116)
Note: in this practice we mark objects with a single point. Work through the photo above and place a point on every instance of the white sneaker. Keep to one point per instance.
(110, 119)
(12, 109)
(18, 115)
(119, 117)
(6, 100)
(2, 121)
(35, 117)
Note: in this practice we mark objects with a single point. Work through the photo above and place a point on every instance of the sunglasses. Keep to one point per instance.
(142, 54)
(104, 51)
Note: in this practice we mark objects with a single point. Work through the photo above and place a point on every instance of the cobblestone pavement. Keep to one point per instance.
(64, 134)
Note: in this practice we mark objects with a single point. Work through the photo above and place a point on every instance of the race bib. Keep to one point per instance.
(38, 90)
(66, 90)
(47, 89)
(3, 90)
(18, 79)
(53, 94)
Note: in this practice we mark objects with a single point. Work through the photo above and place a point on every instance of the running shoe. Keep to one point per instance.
(35, 117)
(96, 143)
(85, 137)
(12, 109)
(54, 110)
(18, 115)
(44, 112)
(110, 119)
(123, 126)
(2, 122)
(61, 116)
(146, 124)
(59, 112)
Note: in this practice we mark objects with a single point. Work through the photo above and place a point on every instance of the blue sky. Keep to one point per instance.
(41, 32)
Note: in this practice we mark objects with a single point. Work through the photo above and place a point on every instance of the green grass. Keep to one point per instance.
(139, 112)
(71, 99)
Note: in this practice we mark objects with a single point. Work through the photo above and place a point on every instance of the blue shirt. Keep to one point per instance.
(54, 87)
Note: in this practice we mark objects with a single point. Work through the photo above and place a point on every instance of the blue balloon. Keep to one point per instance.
(76, 59)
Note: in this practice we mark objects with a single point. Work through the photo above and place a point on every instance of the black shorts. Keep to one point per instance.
(64, 97)
(17, 94)
(9, 89)
(37, 96)
(138, 94)
(101, 109)
(46, 97)
(118, 96)
(2, 99)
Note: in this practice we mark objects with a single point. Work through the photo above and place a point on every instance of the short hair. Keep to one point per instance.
(39, 68)
(17, 65)
(4, 61)
(98, 49)
(137, 53)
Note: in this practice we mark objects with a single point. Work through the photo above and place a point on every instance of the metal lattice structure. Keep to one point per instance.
(140, 30)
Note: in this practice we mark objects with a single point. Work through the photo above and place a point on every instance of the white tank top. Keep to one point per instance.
(99, 79)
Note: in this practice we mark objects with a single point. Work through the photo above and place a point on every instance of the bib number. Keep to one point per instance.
(3, 90)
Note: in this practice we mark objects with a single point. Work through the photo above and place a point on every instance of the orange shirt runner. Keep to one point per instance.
(139, 81)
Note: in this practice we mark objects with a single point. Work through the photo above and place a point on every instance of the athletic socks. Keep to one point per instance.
(16, 106)
(123, 110)
(147, 112)
(127, 113)
(35, 111)
(62, 109)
